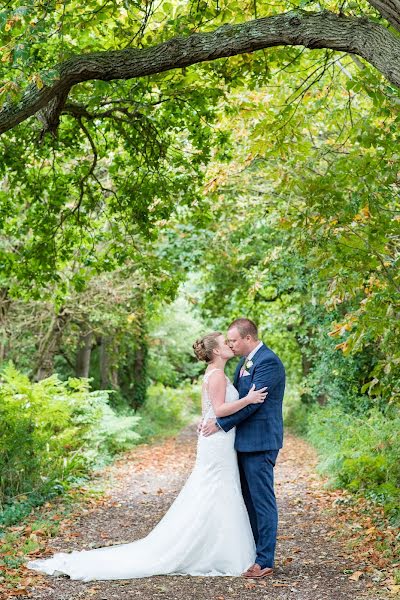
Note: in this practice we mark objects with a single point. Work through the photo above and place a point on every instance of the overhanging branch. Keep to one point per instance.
(360, 36)
(389, 9)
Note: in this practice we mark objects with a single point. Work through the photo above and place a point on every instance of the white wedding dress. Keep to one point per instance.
(206, 531)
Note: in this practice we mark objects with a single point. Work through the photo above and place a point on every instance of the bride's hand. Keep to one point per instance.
(256, 396)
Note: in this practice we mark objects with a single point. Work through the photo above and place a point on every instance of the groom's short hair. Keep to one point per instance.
(245, 327)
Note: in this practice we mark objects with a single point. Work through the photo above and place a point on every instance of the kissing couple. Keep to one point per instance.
(224, 520)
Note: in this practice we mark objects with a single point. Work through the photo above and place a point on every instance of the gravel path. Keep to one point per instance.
(311, 563)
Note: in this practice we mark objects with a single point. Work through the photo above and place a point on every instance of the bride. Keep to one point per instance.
(206, 531)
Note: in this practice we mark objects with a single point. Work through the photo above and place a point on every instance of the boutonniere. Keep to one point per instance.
(249, 364)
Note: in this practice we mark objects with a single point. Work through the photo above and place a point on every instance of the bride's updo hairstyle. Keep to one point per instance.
(203, 347)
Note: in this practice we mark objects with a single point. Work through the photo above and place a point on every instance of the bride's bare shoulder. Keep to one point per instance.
(216, 377)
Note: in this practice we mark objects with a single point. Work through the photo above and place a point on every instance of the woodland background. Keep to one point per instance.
(138, 212)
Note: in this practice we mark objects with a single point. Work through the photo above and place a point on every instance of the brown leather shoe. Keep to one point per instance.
(249, 570)
(256, 572)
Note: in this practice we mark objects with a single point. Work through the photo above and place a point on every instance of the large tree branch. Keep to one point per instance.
(389, 9)
(360, 36)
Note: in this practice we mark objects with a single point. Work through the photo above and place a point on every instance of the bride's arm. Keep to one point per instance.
(216, 393)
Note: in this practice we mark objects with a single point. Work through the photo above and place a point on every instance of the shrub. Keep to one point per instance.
(52, 433)
(360, 453)
(167, 409)
(113, 434)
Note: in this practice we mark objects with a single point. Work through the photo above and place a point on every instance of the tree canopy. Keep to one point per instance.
(50, 72)
(243, 155)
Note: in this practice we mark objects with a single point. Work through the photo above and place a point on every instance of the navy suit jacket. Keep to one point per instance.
(259, 426)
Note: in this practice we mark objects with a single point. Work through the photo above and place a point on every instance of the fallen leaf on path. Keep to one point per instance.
(356, 576)
(288, 559)
(395, 589)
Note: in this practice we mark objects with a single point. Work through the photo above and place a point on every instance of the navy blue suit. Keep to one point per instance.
(259, 436)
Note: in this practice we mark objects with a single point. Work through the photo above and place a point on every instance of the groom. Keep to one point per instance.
(259, 436)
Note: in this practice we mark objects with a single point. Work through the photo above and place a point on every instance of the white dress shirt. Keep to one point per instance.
(249, 357)
(252, 353)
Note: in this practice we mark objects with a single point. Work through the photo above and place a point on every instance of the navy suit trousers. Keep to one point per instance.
(257, 480)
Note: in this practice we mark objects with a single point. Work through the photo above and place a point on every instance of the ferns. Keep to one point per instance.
(54, 432)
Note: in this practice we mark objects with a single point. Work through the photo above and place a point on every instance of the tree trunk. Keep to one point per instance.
(140, 374)
(355, 35)
(108, 372)
(51, 344)
(103, 364)
(5, 303)
(84, 353)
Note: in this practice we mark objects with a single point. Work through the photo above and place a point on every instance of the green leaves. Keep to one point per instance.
(365, 458)
(274, 172)
(49, 76)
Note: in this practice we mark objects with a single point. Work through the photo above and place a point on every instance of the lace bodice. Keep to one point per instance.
(231, 395)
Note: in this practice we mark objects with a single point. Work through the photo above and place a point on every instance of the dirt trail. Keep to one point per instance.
(311, 563)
